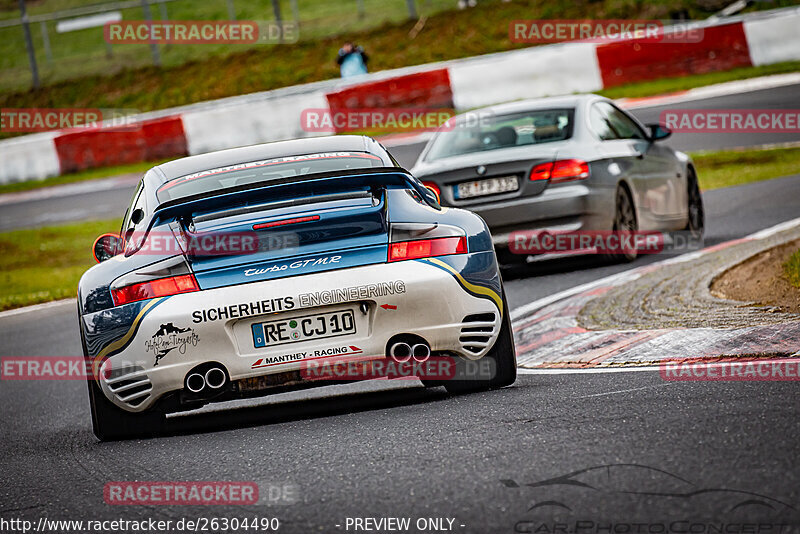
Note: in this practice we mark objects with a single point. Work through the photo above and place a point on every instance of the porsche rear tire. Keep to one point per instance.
(111, 423)
(502, 354)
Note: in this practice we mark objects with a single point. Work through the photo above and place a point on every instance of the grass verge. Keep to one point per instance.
(791, 269)
(735, 167)
(45, 264)
(90, 174)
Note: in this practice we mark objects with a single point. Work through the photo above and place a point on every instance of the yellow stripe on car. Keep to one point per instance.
(121, 342)
(480, 290)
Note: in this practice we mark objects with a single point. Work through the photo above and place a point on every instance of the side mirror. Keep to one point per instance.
(105, 247)
(658, 132)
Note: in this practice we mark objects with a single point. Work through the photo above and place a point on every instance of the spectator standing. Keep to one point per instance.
(352, 60)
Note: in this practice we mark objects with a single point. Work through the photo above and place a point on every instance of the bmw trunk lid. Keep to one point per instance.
(475, 179)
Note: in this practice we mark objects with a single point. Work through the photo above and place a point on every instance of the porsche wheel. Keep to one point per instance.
(504, 359)
(112, 423)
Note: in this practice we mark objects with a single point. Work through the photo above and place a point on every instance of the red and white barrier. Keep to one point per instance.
(722, 47)
(773, 40)
(273, 119)
(32, 157)
(146, 141)
(529, 73)
(756, 39)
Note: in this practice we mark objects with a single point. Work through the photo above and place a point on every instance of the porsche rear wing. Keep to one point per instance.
(285, 189)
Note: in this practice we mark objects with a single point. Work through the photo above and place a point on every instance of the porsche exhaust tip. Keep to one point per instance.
(400, 352)
(195, 382)
(215, 378)
(421, 352)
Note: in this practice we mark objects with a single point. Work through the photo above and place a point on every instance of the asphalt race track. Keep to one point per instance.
(701, 453)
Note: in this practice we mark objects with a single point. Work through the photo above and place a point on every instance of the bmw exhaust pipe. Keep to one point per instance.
(421, 352)
(215, 378)
(195, 382)
(400, 352)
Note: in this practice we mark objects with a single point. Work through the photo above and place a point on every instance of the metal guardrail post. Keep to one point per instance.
(412, 9)
(276, 9)
(153, 46)
(26, 29)
(46, 42)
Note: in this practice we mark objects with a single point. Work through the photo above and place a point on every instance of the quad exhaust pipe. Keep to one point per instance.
(402, 352)
(213, 378)
(195, 382)
(420, 352)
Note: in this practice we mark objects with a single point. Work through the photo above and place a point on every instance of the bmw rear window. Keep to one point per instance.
(264, 171)
(479, 133)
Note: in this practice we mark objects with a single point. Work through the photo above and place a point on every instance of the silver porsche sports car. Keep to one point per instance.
(294, 264)
(570, 163)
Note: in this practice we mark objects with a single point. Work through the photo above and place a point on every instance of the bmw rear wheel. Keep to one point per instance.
(696, 223)
(624, 223)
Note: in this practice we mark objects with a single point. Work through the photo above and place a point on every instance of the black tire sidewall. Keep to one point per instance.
(503, 354)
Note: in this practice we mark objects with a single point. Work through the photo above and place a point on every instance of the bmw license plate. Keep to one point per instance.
(490, 186)
(317, 326)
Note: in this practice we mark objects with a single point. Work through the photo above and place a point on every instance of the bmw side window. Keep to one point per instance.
(623, 125)
(600, 124)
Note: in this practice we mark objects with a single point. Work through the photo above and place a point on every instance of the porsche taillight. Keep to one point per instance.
(427, 248)
(161, 287)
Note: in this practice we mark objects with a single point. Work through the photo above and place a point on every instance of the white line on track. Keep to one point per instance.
(586, 370)
(37, 307)
(621, 391)
(717, 90)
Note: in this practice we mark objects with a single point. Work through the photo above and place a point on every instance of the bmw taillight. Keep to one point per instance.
(563, 170)
(427, 248)
(161, 287)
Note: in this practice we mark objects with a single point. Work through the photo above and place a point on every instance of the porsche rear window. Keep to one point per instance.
(264, 171)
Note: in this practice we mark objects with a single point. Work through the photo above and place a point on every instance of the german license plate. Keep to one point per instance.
(490, 186)
(317, 326)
